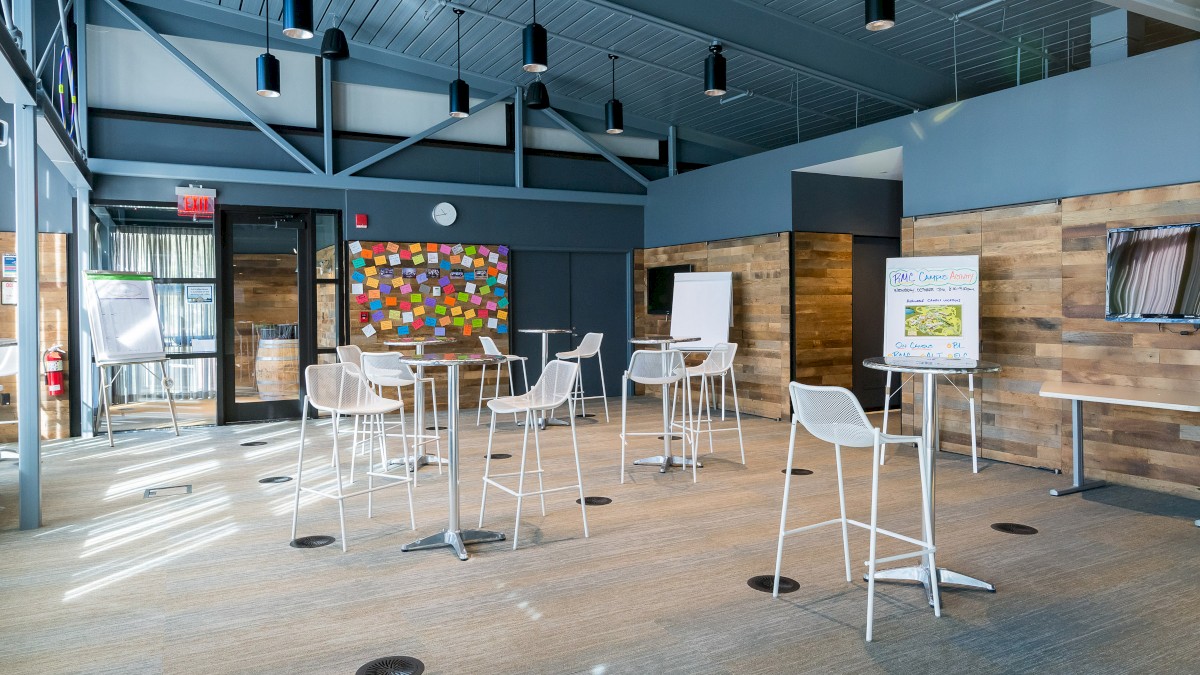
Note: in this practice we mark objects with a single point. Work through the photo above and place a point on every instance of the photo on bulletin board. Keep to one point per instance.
(403, 289)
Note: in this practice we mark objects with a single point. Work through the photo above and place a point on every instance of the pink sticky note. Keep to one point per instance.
(491, 305)
(502, 266)
(475, 299)
(483, 251)
(406, 288)
(445, 249)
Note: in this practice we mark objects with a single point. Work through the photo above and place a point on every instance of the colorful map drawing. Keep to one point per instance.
(933, 321)
(440, 289)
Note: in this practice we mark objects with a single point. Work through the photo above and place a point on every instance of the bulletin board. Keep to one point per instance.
(429, 289)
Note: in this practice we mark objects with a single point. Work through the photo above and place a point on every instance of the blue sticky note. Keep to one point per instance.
(422, 278)
(439, 331)
(402, 330)
(503, 303)
(445, 264)
(358, 277)
(502, 328)
(499, 292)
(429, 321)
(376, 304)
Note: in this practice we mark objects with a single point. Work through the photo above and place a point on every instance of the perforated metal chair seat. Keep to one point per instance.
(385, 369)
(551, 391)
(588, 347)
(660, 380)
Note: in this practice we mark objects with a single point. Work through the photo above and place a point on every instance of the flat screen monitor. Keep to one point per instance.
(1154, 274)
(660, 287)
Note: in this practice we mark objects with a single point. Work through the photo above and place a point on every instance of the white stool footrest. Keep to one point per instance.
(902, 556)
(528, 493)
(400, 480)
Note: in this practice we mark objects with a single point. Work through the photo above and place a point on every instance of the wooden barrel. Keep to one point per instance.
(277, 369)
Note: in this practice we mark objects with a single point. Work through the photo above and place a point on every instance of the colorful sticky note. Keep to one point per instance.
(444, 321)
(500, 292)
(445, 264)
(459, 321)
(483, 250)
(406, 288)
(475, 299)
(501, 314)
(450, 300)
(405, 305)
(440, 310)
(431, 247)
(439, 331)
(376, 304)
(385, 288)
(477, 323)
(484, 290)
(502, 249)
(431, 258)
(414, 297)
(502, 266)
(425, 288)
(418, 259)
(430, 321)
(370, 271)
(458, 249)
(444, 281)
(503, 303)
(356, 289)
(381, 260)
(480, 262)
(359, 277)
(368, 330)
(470, 250)
(377, 316)
(422, 278)
(414, 248)
(430, 302)
(491, 304)
(385, 325)
(361, 299)
(419, 310)
(394, 259)
(502, 279)
(466, 330)
(372, 282)
(456, 310)
(470, 314)
(407, 317)
(463, 297)
(455, 259)
(358, 263)
(502, 328)
(392, 247)
(395, 316)
(470, 288)
(377, 248)
(355, 247)
(483, 313)
(402, 330)
(492, 323)
(495, 257)
(406, 255)
(445, 249)
(389, 301)
(374, 295)
(492, 271)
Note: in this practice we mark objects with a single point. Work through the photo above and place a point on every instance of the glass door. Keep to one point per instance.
(267, 310)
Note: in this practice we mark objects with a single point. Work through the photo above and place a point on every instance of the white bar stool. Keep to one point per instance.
(833, 415)
(489, 347)
(553, 389)
(661, 368)
(718, 362)
(385, 369)
(588, 347)
(337, 389)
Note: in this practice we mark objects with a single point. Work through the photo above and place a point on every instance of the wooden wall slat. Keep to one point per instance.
(822, 313)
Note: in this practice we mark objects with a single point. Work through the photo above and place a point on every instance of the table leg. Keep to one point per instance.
(930, 440)
(551, 420)
(1079, 484)
(453, 536)
(420, 438)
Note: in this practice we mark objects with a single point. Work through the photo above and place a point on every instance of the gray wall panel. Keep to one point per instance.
(840, 204)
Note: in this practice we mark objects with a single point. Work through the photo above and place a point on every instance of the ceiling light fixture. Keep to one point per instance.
(298, 19)
(614, 117)
(334, 46)
(714, 71)
(881, 14)
(268, 66)
(460, 93)
(536, 95)
(534, 41)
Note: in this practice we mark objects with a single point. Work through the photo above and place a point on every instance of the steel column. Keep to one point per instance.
(81, 71)
(600, 149)
(672, 151)
(518, 138)
(327, 113)
(81, 353)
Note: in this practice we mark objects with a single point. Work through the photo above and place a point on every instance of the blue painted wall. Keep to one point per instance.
(1120, 126)
(845, 205)
(55, 195)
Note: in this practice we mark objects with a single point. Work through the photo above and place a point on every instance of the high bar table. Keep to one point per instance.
(419, 390)
(666, 459)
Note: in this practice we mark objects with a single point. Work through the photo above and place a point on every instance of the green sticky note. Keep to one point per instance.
(463, 297)
(503, 303)
(476, 323)
(359, 262)
(484, 290)
(458, 321)
(414, 297)
(418, 259)
(470, 250)
(440, 310)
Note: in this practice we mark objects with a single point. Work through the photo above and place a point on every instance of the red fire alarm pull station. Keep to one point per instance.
(360, 220)
(364, 317)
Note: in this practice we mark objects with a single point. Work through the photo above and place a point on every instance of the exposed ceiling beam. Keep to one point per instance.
(1184, 13)
(252, 24)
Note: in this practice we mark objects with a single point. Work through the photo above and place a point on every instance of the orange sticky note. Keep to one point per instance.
(419, 310)
(479, 262)
(385, 325)
(456, 311)
(444, 321)
(501, 314)
(432, 248)
(466, 330)
(381, 260)
(389, 301)
(370, 271)
(366, 254)
(374, 295)
(415, 248)
(392, 247)
(450, 300)
(469, 314)
(455, 259)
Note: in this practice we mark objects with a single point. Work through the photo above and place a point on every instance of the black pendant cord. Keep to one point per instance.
(535, 11)
(614, 75)
(458, 42)
(267, 25)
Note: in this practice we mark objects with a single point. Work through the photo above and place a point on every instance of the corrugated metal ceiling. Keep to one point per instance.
(659, 74)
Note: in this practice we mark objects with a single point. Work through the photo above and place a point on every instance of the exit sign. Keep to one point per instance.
(195, 202)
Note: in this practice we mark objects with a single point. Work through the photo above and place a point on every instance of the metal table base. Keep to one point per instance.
(456, 540)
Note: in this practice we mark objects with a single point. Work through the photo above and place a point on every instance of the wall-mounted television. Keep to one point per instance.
(1154, 274)
(660, 287)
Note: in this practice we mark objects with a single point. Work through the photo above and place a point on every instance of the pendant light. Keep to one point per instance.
(533, 39)
(460, 93)
(298, 19)
(334, 46)
(714, 71)
(536, 96)
(614, 118)
(881, 14)
(268, 66)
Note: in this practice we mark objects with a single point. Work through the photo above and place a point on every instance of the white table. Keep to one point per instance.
(930, 370)
(666, 459)
(453, 536)
(420, 437)
(546, 333)
(1077, 393)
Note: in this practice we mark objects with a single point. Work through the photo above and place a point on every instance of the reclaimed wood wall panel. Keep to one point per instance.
(54, 325)
(761, 318)
(822, 314)
(1141, 446)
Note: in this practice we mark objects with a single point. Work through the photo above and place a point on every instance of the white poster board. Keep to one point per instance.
(702, 306)
(123, 314)
(931, 308)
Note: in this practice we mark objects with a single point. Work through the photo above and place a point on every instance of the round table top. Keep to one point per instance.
(908, 364)
(660, 340)
(420, 340)
(452, 359)
(545, 330)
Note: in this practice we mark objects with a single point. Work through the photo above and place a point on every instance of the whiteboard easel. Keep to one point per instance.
(123, 314)
(702, 306)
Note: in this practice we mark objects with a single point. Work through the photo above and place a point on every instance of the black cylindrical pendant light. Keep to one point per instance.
(460, 93)
(334, 46)
(536, 95)
(298, 19)
(881, 14)
(714, 71)
(533, 38)
(614, 118)
(268, 65)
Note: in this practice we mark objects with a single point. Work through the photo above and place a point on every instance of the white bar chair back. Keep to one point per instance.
(385, 369)
(351, 354)
(552, 390)
(659, 368)
(834, 415)
(589, 347)
(489, 347)
(338, 389)
(719, 362)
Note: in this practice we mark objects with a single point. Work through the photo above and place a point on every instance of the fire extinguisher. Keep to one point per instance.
(53, 365)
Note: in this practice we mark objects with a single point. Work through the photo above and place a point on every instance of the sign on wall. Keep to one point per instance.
(429, 288)
(195, 202)
(932, 307)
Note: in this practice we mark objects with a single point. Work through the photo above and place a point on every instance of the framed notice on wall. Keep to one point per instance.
(932, 307)
(402, 289)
